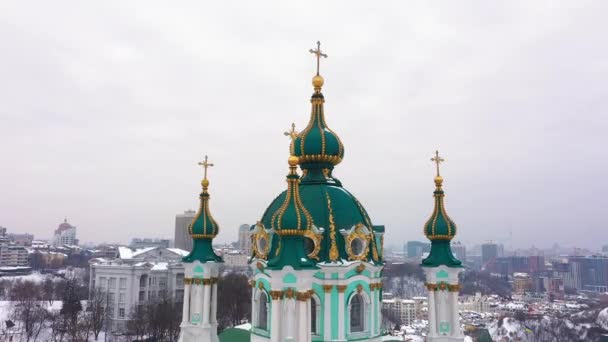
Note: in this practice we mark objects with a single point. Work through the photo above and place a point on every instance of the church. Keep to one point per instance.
(317, 255)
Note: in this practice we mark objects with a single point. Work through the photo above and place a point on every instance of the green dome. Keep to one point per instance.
(439, 226)
(336, 211)
(317, 143)
(202, 230)
(440, 229)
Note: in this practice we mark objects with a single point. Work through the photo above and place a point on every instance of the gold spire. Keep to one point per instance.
(438, 160)
(317, 81)
(205, 164)
(292, 134)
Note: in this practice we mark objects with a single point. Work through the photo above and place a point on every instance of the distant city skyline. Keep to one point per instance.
(105, 114)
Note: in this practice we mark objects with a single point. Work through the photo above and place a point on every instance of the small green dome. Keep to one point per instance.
(317, 143)
(440, 229)
(439, 226)
(202, 230)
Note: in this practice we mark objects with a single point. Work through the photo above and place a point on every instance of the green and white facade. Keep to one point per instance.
(201, 268)
(441, 269)
(317, 257)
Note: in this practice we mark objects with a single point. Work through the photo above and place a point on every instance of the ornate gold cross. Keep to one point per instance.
(319, 54)
(292, 134)
(205, 164)
(438, 160)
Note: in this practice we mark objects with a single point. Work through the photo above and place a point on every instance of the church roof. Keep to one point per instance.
(334, 225)
(203, 227)
(440, 228)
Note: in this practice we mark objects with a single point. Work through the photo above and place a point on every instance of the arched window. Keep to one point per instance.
(262, 317)
(314, 315)
(357, 314)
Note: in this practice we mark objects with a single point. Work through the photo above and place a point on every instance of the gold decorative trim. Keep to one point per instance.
(341, 288)
(454, 287)
(360, 268)
(260, 285)
(358, 233)
(276, 295)
(197, 281)
(372, 287)
(327, 288)
(319, 158)
(290, 293)
(260, 266)
(214, 280)
(252, 283)
(207, 282)
(303, 296)
(188, 281)
(316, 239)
(289, 232)
(333, 249)
(203, 236)
(359, 288)
(260, 234)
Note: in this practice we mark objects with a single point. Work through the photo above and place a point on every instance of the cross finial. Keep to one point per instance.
(205, 164)
(292, 134)
(319, 54)
(438, 160)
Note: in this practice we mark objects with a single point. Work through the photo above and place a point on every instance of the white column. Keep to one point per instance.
(194, 301)
(214, 303)
(372, 328)
(302, 320)
(431, 313)
(454, 312)
(206, 306)
(186, 308)
(309, 322)
(275, 326)
(327, 314)
(341, 312)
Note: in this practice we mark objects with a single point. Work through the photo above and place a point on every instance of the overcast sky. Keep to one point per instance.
(106, 107)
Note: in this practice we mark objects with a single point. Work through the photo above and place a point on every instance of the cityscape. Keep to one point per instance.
(303, 172)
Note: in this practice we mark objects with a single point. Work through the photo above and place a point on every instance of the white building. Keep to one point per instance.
(10, 254)
(65, 234)
(138, 276)
(404, 309)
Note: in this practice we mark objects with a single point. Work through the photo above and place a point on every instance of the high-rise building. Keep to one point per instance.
(403, 309)
(11, 255)
(415, 249)
(65, 234)
(593, 272)
(460, 251)
(183, 240)
(245, 239)
(21, 239)
(489, 253)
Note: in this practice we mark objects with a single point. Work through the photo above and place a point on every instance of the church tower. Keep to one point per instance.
(201, 274)
(441, 269)
(317, 257)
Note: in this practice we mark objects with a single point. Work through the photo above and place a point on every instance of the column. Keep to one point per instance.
(214, 301)
(194, 300)
(372, 311)
(454, 312)
(207, 299)
(432, 312)
(186, 308)
(302, 319)
(275, 322)
(309, 322)
(341, 312)
(327, 302)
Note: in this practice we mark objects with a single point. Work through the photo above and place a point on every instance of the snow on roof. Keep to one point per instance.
(178, 251)
(160, 266)
(246, 326)
(142, 251)
(125, 252)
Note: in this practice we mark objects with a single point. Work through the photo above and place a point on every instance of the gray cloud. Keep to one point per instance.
(107, 107)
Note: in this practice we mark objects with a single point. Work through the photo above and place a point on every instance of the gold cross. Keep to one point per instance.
(292, 134)
(205, 164)
(438, 160)
(319, 54)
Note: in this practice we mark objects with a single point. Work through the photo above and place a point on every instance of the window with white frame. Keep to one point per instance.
(357, 313)
(315, 314)
(123, 283)
(262, 311)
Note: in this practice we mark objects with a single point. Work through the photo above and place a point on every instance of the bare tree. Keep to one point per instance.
(96, 310)
(26, 310)
(137, 325)
(48, 290)
(234, 300)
